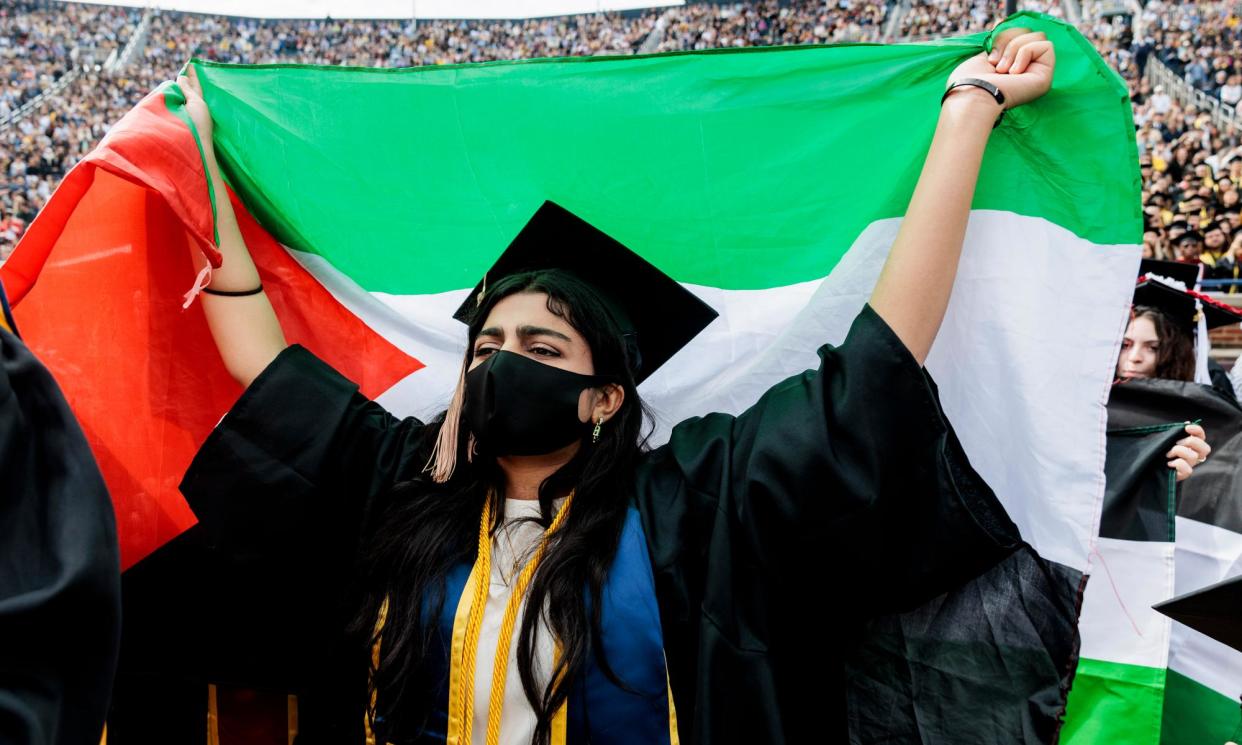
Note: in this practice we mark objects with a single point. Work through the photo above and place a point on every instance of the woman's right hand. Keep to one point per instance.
(196, 107)
(1021, 65)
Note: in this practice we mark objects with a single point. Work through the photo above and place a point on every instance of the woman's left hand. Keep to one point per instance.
(1189, 452)
(1021, 65)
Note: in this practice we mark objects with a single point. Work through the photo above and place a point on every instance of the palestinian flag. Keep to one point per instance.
(1143, 678)
(770, 181)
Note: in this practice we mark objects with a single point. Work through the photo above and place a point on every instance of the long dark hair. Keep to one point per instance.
(428, 528)
(1175, 357)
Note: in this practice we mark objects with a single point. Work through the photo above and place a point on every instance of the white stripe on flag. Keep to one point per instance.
(1205, 555)
(1117, 622)
(1024, 358)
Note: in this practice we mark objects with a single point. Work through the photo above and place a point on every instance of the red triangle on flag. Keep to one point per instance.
(101, 275)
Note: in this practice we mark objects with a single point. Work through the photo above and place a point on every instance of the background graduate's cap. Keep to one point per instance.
(1157, 287)
(1216, 610)
(1180, 271)
(657, 314)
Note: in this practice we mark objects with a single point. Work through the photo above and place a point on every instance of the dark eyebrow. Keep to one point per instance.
(541, 331)
(497, 332)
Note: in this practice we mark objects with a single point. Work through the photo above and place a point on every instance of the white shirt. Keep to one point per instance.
(512, 548)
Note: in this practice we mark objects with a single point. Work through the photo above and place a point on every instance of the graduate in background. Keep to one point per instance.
(59, 563)
(1167, 335)
(1151, 509)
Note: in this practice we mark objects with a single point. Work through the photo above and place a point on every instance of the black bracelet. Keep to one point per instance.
(233, 293)
(985, 85)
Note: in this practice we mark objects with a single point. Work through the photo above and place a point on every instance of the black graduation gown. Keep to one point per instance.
(841, 494)
(1221, 383)
(59, 565)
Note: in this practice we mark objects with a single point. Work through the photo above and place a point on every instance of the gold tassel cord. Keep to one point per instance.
(474, 622)
(213, 716)
(465, 644)
(291, 710)
(467, 626)
(500, 665)
(443, 460)
(381, 618)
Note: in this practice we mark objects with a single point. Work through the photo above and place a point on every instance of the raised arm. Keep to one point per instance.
(913, 291)
(245, 328)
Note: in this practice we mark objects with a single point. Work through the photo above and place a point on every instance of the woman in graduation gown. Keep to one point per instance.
(523, 570)
(1159, 343)
(1160, 340)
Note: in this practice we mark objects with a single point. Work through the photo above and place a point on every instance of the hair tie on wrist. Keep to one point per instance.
(233, 293)
(977, 83)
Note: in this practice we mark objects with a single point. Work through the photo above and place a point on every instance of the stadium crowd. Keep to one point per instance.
(37, 151)
(929, 18)
(39, 45)
(1190, 168)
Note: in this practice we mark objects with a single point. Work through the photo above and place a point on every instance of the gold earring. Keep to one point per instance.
(599, 423)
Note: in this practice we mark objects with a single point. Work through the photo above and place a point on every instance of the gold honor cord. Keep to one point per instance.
(467, 624)
(369, 733)
(466, 640)
(673, 739)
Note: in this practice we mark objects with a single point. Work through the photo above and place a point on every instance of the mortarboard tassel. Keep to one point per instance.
(443, 460)
(1202, 346)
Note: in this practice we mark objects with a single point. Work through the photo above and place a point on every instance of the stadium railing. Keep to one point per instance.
(30, 106)
(1224, 117)
(137, 40)
(1219, 285)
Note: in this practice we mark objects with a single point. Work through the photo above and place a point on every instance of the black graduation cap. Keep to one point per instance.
(1219, 224)
(1179, 304)
(1216, 610)
(1184, 272)
(659, 316)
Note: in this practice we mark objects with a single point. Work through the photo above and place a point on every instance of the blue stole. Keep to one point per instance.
(599, 712)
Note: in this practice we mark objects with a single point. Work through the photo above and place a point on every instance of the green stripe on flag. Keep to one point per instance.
(1114, 703)
(1195, 714)
(738, 169)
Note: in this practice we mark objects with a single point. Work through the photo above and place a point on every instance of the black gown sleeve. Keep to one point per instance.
(857, 458)
(841, 494)
(286, 488)
(301, 455)
(59, 565)
(1221, 383)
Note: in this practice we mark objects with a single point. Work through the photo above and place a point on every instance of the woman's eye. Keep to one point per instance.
(483, 351)
(545, 352)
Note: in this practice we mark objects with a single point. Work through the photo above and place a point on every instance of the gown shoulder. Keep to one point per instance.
(841, 494)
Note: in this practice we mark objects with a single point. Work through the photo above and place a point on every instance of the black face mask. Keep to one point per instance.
(517, 406)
